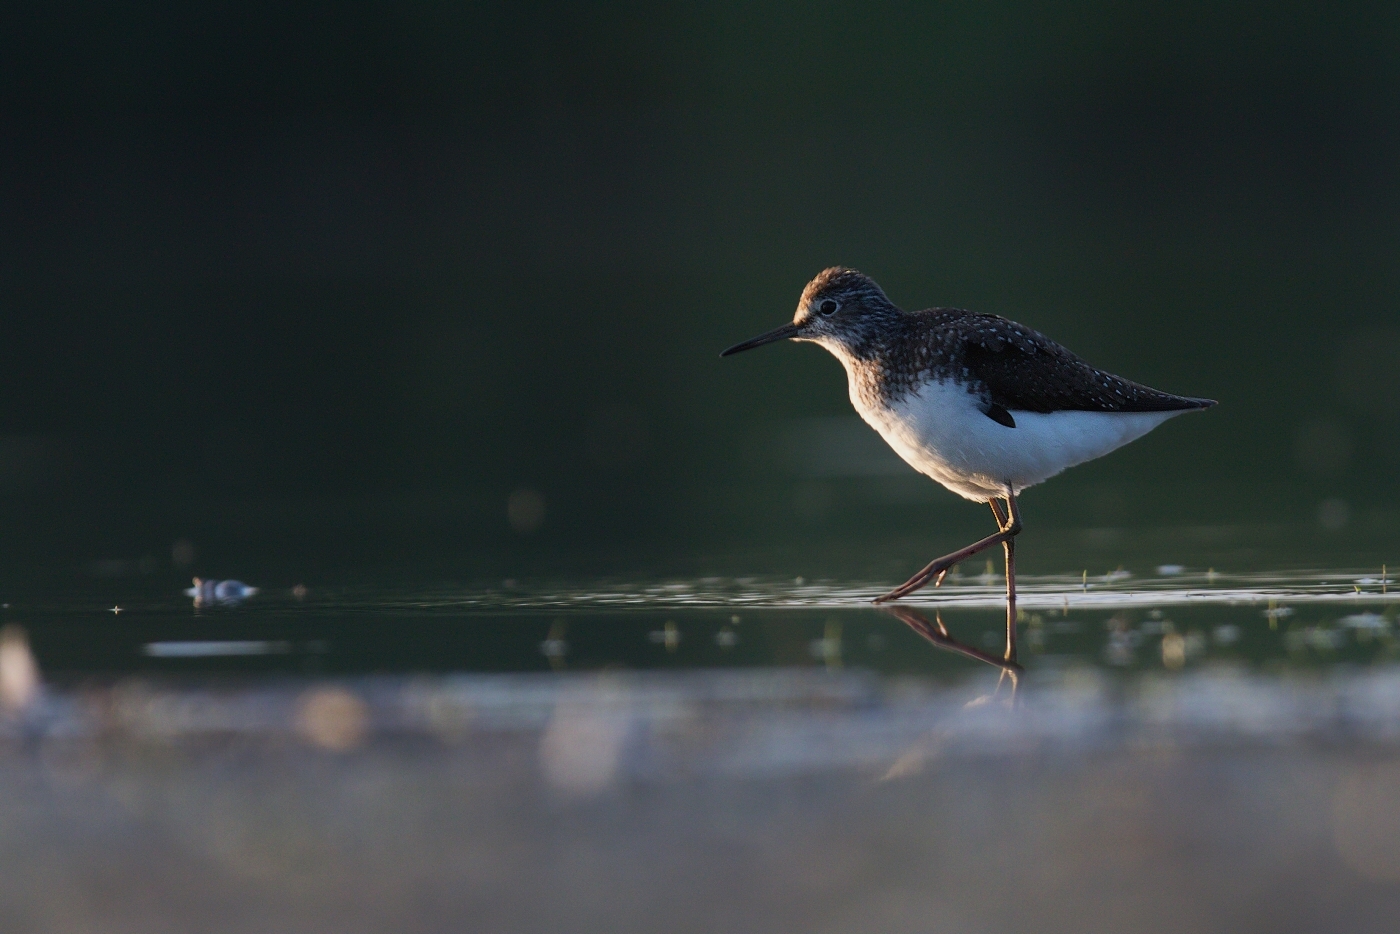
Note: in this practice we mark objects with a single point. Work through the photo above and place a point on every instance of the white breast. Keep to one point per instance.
(942, 432)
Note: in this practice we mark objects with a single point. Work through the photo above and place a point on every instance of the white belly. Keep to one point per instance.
(941, 431)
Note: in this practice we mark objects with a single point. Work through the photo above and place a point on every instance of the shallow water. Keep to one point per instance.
(1185, 751)
(1173, 620)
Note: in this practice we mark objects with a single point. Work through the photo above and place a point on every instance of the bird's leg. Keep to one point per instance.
(1001, 524)
(1007, 529)
(1011, 520)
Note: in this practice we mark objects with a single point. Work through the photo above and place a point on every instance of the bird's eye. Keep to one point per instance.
(828, 307)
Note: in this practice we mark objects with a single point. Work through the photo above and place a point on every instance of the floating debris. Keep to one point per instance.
(1170, 570)
(218, 593)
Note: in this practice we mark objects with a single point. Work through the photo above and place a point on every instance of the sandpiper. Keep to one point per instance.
(985, 406)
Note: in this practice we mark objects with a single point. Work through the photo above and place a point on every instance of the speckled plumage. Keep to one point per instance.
(985, 406)
(1009, 365)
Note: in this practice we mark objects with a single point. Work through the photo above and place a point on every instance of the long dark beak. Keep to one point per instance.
(778, 334)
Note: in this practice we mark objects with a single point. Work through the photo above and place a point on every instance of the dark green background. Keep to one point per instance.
(318, 287)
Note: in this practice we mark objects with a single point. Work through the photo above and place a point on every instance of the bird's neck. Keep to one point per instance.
(869, 339)
(865, 360)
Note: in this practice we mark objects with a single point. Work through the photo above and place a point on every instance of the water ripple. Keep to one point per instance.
(1112, 591)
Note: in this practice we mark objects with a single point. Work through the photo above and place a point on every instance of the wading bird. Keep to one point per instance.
(985, 406)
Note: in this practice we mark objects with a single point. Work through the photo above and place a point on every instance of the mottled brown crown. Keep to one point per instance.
(847, 286)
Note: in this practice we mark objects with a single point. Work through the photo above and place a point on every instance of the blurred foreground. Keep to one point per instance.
(722, 800)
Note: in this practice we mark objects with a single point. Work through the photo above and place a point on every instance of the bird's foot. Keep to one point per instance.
(937, 569)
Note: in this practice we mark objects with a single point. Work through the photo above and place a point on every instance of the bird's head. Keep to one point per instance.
(840, 309)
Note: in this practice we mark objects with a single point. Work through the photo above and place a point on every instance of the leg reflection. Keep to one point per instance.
(937, 633)
(914, 759)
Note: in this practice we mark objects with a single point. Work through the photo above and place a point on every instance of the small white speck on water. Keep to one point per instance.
(1170, 570)
(799, 581)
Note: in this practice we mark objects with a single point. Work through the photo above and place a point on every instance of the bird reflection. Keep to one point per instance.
(929, 747)
(937, 633)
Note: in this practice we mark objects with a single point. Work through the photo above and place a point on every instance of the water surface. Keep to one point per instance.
(1172, 620)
